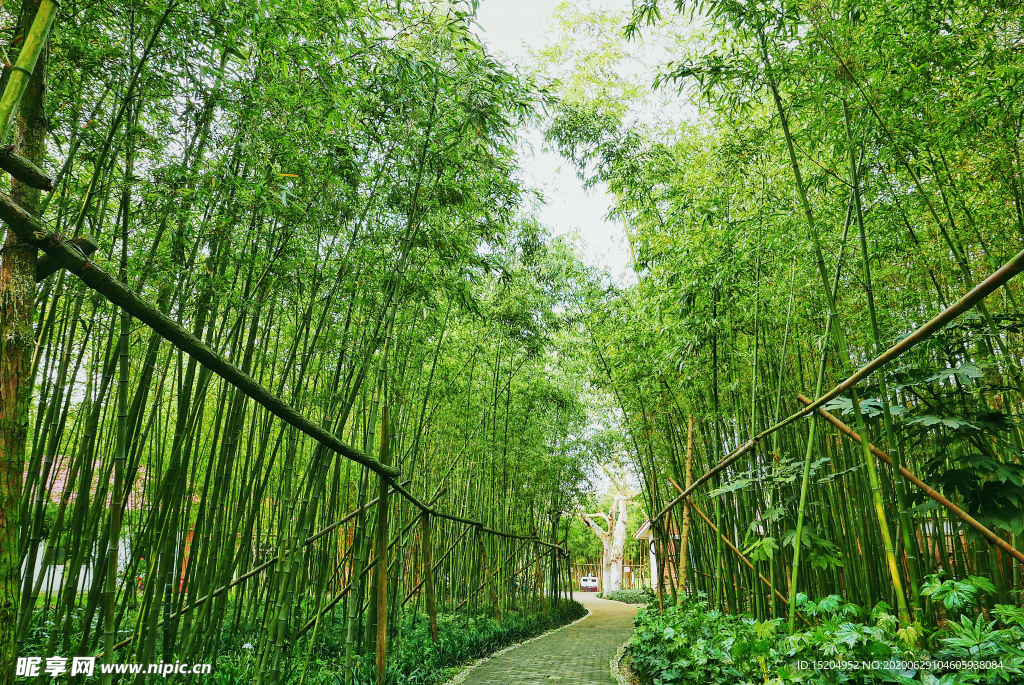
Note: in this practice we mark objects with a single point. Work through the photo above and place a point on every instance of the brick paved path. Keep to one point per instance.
(577, 655)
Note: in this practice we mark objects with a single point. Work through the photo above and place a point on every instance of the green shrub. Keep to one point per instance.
(417, 661)
(642, 596)
(693, 644)
(413, 659)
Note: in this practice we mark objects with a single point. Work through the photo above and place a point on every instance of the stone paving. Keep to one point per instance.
(576, 655)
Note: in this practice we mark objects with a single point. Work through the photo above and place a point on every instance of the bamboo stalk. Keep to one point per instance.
(428, 575)
(905, 524)
(381, 543)
(685, 541)
(27, 58)
(1010, 269)
(924, 487)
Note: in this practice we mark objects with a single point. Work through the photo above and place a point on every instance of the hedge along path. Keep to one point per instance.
(71, 256)
(974, 297)
(577, 653)
(924, 487)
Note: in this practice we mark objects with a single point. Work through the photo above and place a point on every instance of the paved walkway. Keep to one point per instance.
(578, 654)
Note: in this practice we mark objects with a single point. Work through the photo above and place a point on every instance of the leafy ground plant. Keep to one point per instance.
(693, 643)
(418, 661)
(642, 596)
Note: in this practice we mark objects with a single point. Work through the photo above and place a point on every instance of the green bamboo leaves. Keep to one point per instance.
(285, 290)
(752, 293)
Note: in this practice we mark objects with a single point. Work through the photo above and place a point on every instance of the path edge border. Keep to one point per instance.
(464, 673)
(618, 670)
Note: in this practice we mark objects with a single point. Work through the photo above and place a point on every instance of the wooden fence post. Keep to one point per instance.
(489, 579)
(538, 590)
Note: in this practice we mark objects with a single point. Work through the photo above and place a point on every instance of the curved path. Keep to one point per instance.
(578, 654)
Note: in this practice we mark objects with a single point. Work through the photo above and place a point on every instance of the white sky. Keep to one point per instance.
(511, 27)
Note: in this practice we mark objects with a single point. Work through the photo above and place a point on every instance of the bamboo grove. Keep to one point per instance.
(854, 171)
(319, 200)
(290, 374)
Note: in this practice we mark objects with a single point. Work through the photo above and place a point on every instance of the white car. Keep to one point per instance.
(588, 583)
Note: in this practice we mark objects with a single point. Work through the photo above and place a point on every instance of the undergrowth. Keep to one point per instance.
(416, 660)
(629, 596)
(420, 662)
(692, 643)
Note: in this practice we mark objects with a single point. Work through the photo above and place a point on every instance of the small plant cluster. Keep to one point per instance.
(692, 643)
(642, 596)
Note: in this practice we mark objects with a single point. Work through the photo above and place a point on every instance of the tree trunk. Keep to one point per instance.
(606, 543)
(618, 543)
(17, 299)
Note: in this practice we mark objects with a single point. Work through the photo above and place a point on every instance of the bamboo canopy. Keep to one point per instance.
(296, 380)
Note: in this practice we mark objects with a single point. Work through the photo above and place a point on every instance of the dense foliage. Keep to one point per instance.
(327, 196)
(417, 661)
(692, 643)
(851, 171)
(629, 596)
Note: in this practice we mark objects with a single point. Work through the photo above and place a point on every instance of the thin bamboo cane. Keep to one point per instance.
(965, 303)
(35, 39)
(428, 576)
(935, 495)
(685, 540)
(906, 525)
(381, 544)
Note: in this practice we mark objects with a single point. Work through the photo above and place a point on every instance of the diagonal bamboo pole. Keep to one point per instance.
(738, 553)
(30, 229)
(924, 487)
(24, 169)
(254, 571)
(412, 593)
(370, 566)
(936, 323)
